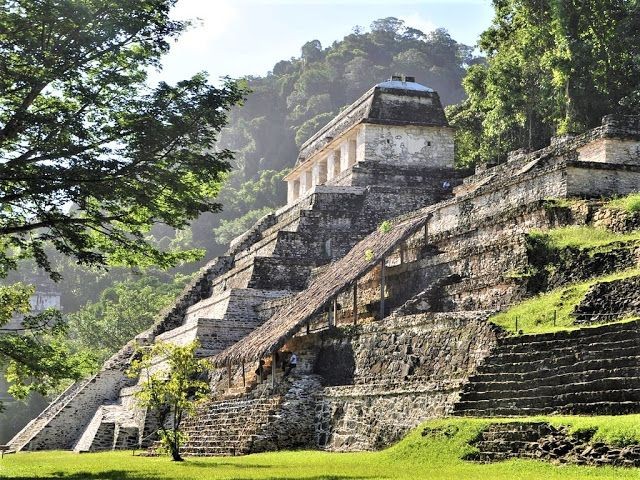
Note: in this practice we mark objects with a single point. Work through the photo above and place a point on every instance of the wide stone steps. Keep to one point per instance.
(228, 427)
(289, 219)
(554, 381)
(554, 373)
(610, 332)
(268, 273)
(611, 358)
(285, 243)
(581, 394)
(589, 371)
(542, 351)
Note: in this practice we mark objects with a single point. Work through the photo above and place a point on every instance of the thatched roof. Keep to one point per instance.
(338, 277)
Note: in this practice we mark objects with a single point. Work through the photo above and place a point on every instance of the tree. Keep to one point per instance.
(33, 354)
(552, 68)
(78, 126)
(173, 392)
(122, 311)
(90, 156)
(311, 51)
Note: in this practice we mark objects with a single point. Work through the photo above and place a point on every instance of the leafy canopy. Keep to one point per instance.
(90, 157)
(101, 328)
(553, 67)
(32, 351)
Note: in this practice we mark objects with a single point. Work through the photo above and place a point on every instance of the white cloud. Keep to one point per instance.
(210, 20)
(416, 20)
(192, 52)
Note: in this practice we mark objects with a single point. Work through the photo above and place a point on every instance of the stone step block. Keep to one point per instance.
(574, 337)
(570, 362)
(613, 402)
(601, 408)
(590, 381)
(594, 347)
(544, 370)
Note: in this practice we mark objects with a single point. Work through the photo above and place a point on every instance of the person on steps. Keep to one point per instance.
(293, 362)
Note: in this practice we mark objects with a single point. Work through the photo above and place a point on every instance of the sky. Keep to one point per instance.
(247, 37)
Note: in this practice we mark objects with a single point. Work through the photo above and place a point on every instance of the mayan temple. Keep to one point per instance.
(380, 273)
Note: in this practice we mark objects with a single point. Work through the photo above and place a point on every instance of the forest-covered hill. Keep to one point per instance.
(301, 94)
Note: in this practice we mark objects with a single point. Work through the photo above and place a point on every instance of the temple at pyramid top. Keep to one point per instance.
(397, 122)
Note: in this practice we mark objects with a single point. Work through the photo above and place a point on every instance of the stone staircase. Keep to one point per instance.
(502, 441)
(78, 402)
(112, 427)
(24, 436)
(588, 371)
(228, 427)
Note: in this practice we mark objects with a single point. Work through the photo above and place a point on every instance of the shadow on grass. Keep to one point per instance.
(109, 475)
(201, 464)
(123, 475)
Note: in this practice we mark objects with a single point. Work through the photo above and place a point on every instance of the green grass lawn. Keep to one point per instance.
(416, 457)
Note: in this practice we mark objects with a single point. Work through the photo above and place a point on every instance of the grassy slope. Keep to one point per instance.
(434, 457)
(630, 203)
(535, 315)
(587, 238)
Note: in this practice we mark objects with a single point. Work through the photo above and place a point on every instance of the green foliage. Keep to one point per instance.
(173, 392)
(629, 203)
(552, 68)
(551, 203)
(123, 310)
(436, 455)
(14, 300)
(536, 315)
(91, 157)
(79, 126)
(385, 227)
(311, 126)
(369, 255)
(583, 238)
(33, 354)
(615, 430)
(230, 229)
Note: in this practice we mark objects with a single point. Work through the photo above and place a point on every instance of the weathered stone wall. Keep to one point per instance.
(611, 150)
(542, 441)
(409, 145)
(293, 427)
(384, 378)
(608, 301)
(593, 180)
